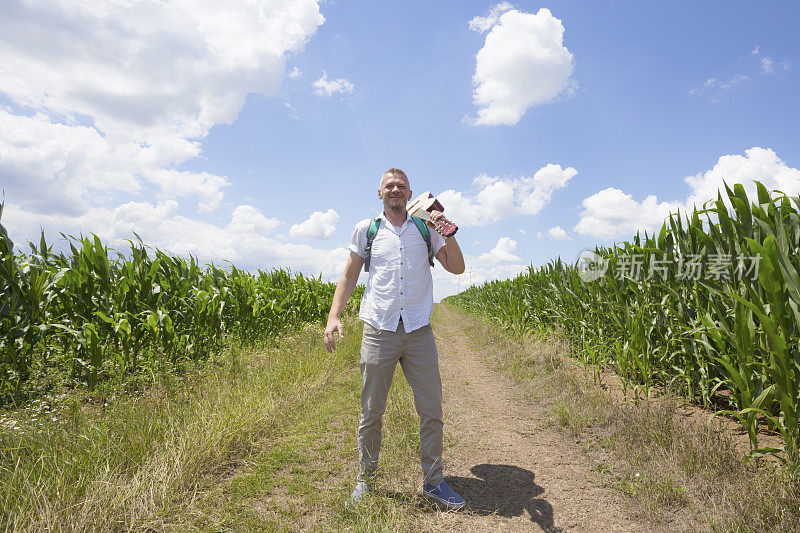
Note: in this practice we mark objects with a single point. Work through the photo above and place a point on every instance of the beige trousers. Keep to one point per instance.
(416, 352)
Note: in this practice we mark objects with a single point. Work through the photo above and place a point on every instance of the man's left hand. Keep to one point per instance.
(435, 216)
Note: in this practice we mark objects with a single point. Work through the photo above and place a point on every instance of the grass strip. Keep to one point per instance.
(128, 464)
(264, 439)
(302, 476)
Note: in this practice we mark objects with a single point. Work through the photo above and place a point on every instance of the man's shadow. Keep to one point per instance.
(504, 490)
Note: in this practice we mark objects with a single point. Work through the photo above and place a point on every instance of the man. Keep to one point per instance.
(396, 310)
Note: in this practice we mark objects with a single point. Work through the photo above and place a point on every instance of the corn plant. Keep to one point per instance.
(96, 314)
(726, 341)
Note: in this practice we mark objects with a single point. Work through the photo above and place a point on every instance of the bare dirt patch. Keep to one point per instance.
(516, 471)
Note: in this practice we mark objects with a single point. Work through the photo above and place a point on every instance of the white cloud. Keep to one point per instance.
(247, 219)
(483, 24)
(111, 98)
(613, 213)
(61, 168)
(317, 226)
(558, 233)
(750, 67)
(761, 164)
(735, 82)
(106, 101)
(327, 88)
(498, 263)
(246, 240)
(706, 85)
(502, 253)
(176, 184)
(498, 199)
(294, 73)
(523, 63)
(538, 190)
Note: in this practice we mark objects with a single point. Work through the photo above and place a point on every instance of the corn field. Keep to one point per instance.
(95, 314)
(729, 339)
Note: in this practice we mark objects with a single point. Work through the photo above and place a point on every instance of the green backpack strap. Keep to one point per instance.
(371, 232)
(426, 234)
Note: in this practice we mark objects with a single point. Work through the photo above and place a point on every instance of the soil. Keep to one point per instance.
(516, 471)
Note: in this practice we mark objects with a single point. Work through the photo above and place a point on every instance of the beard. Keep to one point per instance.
(395, 204)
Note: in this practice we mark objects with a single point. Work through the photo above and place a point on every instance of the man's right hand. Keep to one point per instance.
(334, 324)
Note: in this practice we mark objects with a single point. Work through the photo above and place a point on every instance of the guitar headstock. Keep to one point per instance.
(421, 207)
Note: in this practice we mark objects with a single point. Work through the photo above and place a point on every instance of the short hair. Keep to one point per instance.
(396, 172)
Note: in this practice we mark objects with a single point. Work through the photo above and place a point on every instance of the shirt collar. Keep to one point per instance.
(408, 219)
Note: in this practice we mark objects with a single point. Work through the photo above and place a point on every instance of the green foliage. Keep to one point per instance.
(722, 340)
(95, 314)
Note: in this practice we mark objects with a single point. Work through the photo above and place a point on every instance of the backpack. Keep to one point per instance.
(373, 230)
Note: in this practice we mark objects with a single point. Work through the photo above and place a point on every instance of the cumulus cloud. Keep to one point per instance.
(558, 233)
(502, 253)
(498, 199)
(246, 240)
(176, 184)
(112, 99)
(761, 164)
(767, 66)
(317, 226)
(498, 263)
(523, 63)
(611, 213)
(57, 167)
(614, 213)
(105, 101)
(327, 88)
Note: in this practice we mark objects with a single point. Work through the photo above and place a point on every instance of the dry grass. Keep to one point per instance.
(136, 462)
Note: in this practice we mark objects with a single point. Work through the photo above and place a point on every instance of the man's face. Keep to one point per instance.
(395, 192)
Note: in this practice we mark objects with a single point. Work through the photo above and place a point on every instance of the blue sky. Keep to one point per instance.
(547, 128)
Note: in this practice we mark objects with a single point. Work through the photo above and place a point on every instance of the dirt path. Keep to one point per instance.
(516, 473)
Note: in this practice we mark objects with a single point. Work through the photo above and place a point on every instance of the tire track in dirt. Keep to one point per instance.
(516, 473)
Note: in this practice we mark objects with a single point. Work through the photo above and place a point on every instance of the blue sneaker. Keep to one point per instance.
(362, 489)
(443, 494)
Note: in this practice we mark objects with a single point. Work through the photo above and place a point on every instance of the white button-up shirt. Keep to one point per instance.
(400, 281)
